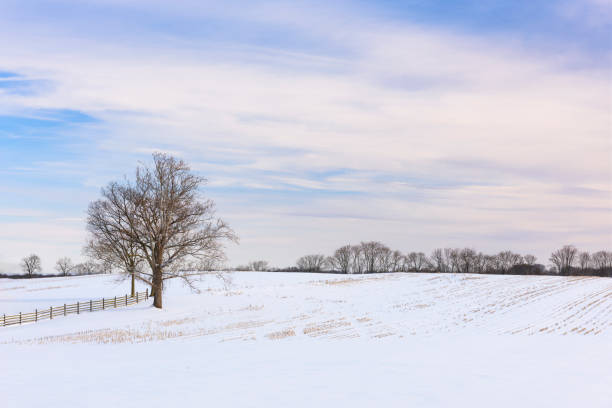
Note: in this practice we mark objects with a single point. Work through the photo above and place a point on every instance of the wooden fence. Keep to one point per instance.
(78, 308)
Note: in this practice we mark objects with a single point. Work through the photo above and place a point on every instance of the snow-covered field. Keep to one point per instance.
(286, 339)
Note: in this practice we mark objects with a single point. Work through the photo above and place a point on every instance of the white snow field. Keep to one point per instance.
(315, 340)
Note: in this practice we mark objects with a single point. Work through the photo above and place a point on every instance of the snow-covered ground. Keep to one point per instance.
(286, 339)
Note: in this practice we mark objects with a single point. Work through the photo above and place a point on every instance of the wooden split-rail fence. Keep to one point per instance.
(78, 308)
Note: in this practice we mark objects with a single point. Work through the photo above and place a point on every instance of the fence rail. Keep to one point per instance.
(78, 308)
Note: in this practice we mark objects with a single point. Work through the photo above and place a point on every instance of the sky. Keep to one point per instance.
(421, 124)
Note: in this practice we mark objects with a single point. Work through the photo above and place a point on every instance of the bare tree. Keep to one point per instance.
(371, 252)
(258, 266)
(584, 260)
(530, 259)
(467, 257)
(452, 257)
(91, 267)
(341, 260)
(508, 259)
(330, 264)
(31, 264)
(311, 263)
(397, 261)
(608, 259)
(64, 266)
(416, 261)
(385, 259)
(602, 259)
(490, 263)
(164, 216)
(564, 258)
(438, 261)
(481, 261)
(357, 259)
(599, 259)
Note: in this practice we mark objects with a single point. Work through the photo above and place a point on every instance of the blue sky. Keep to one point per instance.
(417, 123)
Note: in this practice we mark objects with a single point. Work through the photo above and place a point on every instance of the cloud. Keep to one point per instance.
(21, 212)
(367, 126)
(6, 74)
(593, 13)
(23, 87)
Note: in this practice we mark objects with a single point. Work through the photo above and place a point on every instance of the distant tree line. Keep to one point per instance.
(257, 266)
(32, 268)
(375, 257)
(569, 261)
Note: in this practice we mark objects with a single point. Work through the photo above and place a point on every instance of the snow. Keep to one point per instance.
(288, 339)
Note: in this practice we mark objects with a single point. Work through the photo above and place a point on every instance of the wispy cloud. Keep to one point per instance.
(433, 124)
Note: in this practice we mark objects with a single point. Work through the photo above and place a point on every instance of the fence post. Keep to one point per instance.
(4, 319)
(147, 294)
(51, 312)
(115, 305)
(126, 299)
(102, 303)
(78, 311)
(35, 315)
(19, 317)
(136, 297)
(64, 309)
(90, 305)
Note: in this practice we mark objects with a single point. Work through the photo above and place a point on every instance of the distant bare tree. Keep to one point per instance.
(599, 259)
(416, 261)
(608, 259)
(584, 260)
(31, 264)
(508, 259)
(481, 262)
(397, 261)
(602, 259)
(496, 264)
(564, 258)
(530, 259)
(341, 260)
(357, 259)
(491, 263)
(64, 266)
(385, 260)
(164, 216)
(330, 264)
(371, 252)
(467, 258)
(452, 259)
(258, 266)
(438, 261)
(311, 263)
(87, 268)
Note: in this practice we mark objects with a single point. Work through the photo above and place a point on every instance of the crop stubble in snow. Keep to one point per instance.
(277, 306)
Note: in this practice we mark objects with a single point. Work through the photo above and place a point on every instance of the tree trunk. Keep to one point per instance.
(157, 288)
(133, 283)
(157, 299)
